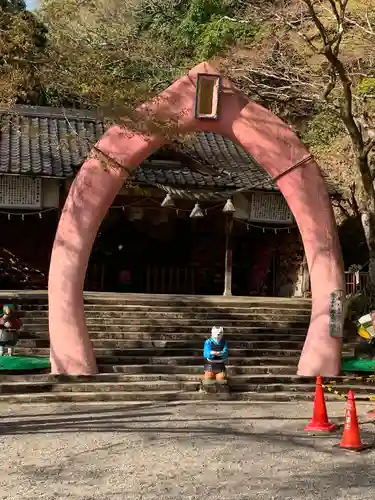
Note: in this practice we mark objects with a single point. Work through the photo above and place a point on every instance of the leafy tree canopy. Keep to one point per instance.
(196, 29)
(22, 44)
(116, 53)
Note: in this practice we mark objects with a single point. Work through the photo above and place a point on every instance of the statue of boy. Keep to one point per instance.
(215, 353)
(10, 324)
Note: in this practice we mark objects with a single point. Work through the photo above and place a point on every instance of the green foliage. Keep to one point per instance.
(125, 51)
(22, 44)
(12, 6)
(366, 86)
(322, 129)
(195, 29)
(356, 306)
(222, 33)
(200, 12)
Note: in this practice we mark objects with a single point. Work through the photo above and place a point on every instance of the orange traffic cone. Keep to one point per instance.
(319, 421)
(351, 439)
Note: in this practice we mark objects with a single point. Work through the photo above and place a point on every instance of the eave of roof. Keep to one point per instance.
(54, 142)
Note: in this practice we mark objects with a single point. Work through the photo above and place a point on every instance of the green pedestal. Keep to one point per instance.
(23, 363)
(355, 365)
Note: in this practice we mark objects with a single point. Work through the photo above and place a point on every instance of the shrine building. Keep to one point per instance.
(199, 217)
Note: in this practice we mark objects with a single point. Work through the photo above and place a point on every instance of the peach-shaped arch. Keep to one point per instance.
(269, 141)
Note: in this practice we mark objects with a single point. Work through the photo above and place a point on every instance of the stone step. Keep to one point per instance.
(164, 386)
(150, 354)
(196, 360)
(179, 324)
(30, 309)
(158, 396)
(41, 297)
(149, 348)
(152, 377)
(240, 379)
(292, 315)
(196, 300)
(178, 329)
(365, 390)
(150, 338)
(145, 354)
(135, 386)
(197, 369)
(167, 309)
(193, 320)
(171, 344)
(187, 357)
(197, 345)
(149, 396)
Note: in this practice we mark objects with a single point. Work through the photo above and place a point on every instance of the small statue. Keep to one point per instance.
(366, 346)
(10, 324)
(215, 353)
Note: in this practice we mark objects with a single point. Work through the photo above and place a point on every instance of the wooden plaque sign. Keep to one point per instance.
(337, 313)
(207, 96)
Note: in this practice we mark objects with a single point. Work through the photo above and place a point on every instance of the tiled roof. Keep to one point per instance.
(51, 142)
(45, 141)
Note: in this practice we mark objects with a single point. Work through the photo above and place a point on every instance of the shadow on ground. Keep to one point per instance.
(160, 420)
(266, 456)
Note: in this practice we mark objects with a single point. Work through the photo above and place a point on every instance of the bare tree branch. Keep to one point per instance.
(335, 11)
(338, 204)
(338, 67)
(370, 144)
(353, 202)
(313, 47)
(331, 84)
(317, 22)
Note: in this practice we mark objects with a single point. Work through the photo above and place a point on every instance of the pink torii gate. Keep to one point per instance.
(271, 143)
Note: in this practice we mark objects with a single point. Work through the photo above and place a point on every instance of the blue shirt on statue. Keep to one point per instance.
(220, 347)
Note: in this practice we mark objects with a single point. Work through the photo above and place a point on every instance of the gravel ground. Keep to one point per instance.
(178, 451)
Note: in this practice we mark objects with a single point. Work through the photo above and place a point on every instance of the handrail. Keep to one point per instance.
(354, 282)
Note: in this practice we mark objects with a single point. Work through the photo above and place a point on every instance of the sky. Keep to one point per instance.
(31, 4)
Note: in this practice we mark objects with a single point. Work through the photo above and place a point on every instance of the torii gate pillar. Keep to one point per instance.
(272, 144)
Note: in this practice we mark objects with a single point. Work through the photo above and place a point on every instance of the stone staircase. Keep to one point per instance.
(149, 348)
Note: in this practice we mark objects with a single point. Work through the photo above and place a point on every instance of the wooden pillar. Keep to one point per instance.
(305, 276)
(302, 280)
(228, 254)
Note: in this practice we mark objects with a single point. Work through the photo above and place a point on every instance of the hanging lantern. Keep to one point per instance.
(229, 208)
(168, 202)
(196, 212)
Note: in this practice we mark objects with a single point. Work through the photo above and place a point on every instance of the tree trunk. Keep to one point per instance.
(228, 255)
(306, 277)
(368, 224)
